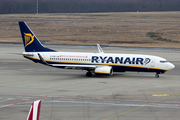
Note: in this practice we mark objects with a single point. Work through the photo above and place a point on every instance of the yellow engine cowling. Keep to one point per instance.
(104, 70)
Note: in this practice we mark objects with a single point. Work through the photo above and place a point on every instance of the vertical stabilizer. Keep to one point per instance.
(30, 41)
(34, 111)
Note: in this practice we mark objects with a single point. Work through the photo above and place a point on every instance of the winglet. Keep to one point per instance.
(99, 48)
(42, 60)
(34, 111)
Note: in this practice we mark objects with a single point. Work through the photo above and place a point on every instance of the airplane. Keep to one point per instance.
(95, 63)
(34, 111)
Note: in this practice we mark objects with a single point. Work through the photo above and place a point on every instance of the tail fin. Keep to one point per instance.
(30, 41)
(34, 111)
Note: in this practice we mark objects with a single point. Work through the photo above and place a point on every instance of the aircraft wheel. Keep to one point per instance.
(157, 75)
(89, 74)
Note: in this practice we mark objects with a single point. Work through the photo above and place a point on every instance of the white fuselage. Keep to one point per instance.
(124, 62)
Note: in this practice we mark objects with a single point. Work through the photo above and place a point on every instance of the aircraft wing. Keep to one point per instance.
(99, 48)
(74, 66)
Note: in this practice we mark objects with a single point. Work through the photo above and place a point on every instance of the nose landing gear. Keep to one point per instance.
(156, 75)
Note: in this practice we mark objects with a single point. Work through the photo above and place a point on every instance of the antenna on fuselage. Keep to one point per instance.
(99, 48)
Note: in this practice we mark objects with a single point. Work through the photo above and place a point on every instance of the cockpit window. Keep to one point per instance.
(163, 61)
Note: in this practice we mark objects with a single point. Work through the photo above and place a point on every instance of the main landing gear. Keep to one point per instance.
(89, 74)
(156, 75)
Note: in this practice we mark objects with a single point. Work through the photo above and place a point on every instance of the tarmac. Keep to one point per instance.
(70, 95)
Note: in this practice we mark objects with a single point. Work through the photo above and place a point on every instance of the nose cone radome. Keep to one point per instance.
(170, 66)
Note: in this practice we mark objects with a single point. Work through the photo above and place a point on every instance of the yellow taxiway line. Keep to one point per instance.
(140, 107)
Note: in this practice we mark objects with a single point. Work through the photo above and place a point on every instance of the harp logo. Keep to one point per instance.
(147, 60)
(29, 38)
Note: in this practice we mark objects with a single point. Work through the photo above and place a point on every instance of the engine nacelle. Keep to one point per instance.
(104, 70)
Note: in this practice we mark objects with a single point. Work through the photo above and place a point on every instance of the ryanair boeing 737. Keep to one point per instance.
(98, 63)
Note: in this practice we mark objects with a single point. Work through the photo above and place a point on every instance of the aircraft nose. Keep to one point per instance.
(170, 66)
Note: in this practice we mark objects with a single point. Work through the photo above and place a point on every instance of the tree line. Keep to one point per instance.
(86, 6)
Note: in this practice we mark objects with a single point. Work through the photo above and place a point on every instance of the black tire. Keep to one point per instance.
(89, 74)
(156, 75)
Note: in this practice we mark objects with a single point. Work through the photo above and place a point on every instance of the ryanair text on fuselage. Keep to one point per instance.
(120, 60)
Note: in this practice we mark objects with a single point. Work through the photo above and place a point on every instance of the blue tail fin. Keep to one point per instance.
(30, 41)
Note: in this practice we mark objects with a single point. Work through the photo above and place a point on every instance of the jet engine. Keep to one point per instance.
(104, 70)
